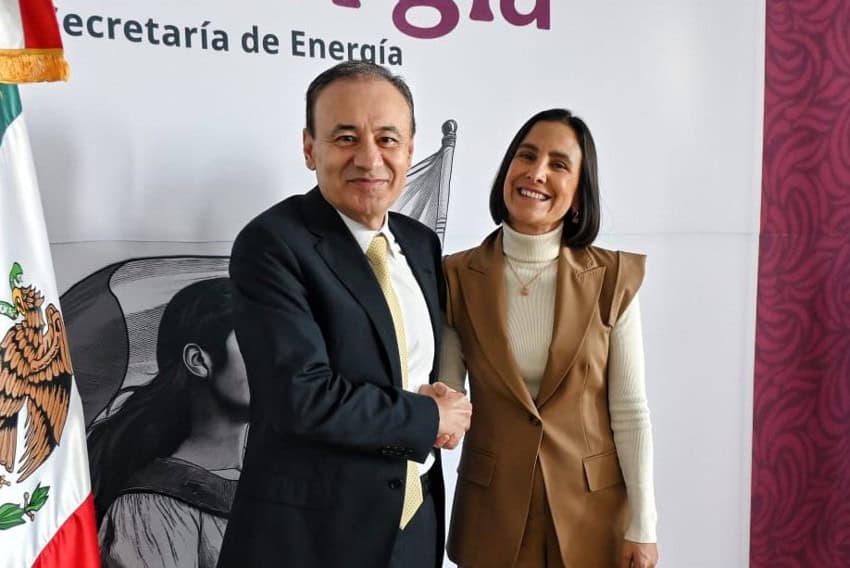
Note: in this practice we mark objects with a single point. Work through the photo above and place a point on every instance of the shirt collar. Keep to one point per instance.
(364, 235)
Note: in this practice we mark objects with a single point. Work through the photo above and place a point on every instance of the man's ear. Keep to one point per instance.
(197, 361)
(307, 144)
(410, 153)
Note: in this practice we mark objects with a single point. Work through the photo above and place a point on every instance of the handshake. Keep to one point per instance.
(455, 414)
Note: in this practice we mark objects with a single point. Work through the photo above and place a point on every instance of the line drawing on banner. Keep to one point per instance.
(426, 191)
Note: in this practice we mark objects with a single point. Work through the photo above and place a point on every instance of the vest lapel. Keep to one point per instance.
(483, 285)
(579, 284)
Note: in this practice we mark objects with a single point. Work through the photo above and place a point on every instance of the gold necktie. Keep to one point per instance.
(377, 255)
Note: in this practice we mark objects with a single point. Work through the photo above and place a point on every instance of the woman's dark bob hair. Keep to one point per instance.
(576, 234)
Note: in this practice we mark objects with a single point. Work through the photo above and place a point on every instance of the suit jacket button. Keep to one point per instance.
(534, 420)
(395, 483)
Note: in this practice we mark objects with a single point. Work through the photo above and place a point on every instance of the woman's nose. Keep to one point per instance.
(536, 172)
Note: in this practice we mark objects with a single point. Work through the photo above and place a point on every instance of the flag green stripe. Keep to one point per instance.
(10, 106)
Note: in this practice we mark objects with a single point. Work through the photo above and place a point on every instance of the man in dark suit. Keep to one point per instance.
(338, 318)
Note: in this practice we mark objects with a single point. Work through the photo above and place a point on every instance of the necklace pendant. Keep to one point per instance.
(524, 291)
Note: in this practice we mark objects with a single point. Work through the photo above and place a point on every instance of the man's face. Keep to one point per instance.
(362, 148)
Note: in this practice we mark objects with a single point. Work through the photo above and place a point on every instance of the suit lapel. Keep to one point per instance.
(339, 250)
(483, 285)
(579, 283)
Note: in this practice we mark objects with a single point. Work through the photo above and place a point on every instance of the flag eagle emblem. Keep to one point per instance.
(35, 369)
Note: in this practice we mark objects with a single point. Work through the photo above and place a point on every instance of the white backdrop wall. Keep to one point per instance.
(155, 150)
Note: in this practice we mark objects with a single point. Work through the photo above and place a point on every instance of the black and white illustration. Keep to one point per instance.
(166, 403)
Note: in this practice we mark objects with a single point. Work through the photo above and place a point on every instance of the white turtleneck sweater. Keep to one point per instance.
(530, 321)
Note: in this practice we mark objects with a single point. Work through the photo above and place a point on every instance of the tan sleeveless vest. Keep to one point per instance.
(566, 429)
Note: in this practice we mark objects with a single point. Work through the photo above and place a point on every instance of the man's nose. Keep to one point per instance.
(368, 155)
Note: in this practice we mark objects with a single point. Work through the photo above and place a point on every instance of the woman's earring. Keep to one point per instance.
(574, 220)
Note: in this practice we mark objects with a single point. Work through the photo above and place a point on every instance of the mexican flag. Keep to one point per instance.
(46, 506)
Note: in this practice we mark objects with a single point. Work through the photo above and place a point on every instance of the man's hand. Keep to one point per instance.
(455, 414)
(639, 555)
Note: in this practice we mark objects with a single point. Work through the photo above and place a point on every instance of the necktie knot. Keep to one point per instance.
(378, 250)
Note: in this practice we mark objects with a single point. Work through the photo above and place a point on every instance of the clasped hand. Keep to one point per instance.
(455, 414)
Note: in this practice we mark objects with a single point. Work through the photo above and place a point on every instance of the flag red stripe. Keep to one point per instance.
(41, 31)
(75, 543)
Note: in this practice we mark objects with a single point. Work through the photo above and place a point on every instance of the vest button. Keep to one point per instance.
(534, 420)
(395, 483)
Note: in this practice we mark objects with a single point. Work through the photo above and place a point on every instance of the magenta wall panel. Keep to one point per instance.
(801, 418)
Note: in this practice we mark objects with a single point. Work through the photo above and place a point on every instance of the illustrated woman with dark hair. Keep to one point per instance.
(165, 461)
(556, 468)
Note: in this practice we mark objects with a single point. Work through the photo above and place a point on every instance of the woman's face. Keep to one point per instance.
(230, 382)
(542, 178)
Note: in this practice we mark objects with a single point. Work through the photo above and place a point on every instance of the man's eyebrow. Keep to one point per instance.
(350, 127)
(392, 129)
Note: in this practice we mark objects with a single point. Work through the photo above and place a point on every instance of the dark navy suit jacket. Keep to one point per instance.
(331, 427)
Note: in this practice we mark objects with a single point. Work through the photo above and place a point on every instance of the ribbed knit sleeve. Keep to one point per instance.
(452, 364)
(630, 422)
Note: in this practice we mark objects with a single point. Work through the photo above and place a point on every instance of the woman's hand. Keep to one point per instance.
(639, 555)
(442, 395)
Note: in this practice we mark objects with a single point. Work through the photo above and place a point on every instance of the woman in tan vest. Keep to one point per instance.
(556, 469)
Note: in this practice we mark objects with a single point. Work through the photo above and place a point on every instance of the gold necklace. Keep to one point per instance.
(524, 286)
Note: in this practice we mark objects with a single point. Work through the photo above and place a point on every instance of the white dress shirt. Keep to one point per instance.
(414, 310)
